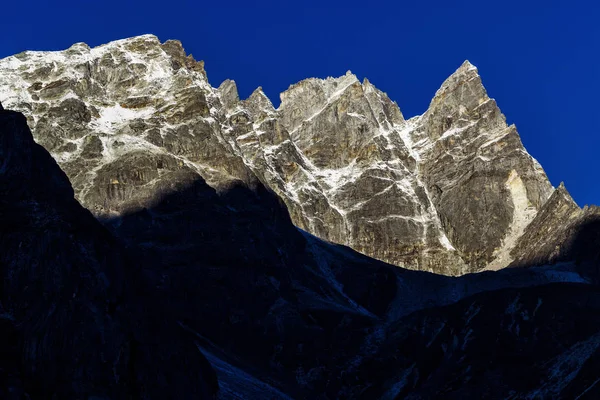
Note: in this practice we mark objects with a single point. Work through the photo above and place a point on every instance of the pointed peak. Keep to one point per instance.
(227, 84)
(466, 74)
(228, 92)
(349, 76)
(466, 65)
(325, 88)
(368, 87)
(259, 98)
(465, 71)
(259, 94)
(562, 191)
(180, 59)
(385, 109)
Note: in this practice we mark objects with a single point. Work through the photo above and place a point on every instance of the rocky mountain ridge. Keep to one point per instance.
(129, 120)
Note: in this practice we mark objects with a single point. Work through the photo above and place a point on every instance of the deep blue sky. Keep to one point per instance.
(539, 59)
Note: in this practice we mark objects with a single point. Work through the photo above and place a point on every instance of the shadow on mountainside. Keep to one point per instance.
(297, 313)
(534, 343)
(248, 282)
(575, 240)
(585, 248)
(228, 273)
(78, 319)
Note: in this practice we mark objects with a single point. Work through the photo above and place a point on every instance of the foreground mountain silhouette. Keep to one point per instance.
(202, 258)
(75, 305)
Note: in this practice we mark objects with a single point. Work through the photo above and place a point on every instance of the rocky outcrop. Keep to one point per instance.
(562, 232)
(450, 191)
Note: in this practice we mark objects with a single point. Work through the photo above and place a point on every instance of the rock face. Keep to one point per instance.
(484, 185)
(562, 232)
(129, 120)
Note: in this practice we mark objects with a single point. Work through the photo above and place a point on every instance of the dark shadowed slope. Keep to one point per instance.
(284, 311)
(534, 343)
(286, 314)
(78, 315)
(277, 311)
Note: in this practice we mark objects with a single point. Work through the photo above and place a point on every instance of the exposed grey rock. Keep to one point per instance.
(562, 232)
(485, 187)
(92, 147)
(545, 239)
(229, 94)
(450, 191)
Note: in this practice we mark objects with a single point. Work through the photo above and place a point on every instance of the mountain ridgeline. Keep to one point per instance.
(125, 120)
(202, 246)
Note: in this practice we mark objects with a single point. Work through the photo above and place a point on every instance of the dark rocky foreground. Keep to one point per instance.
(133, 307)
(79, 316)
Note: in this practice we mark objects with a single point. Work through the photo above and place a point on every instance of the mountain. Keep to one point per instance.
(285, 316)
(128, 120)
(194, 247)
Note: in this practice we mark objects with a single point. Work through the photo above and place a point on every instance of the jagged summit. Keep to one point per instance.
(562, 190)
(464, 84)
(138, 114)
(292, 303)
(258, 101)
(467, 65)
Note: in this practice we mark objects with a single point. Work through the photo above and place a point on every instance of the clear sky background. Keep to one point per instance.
(539, 59)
